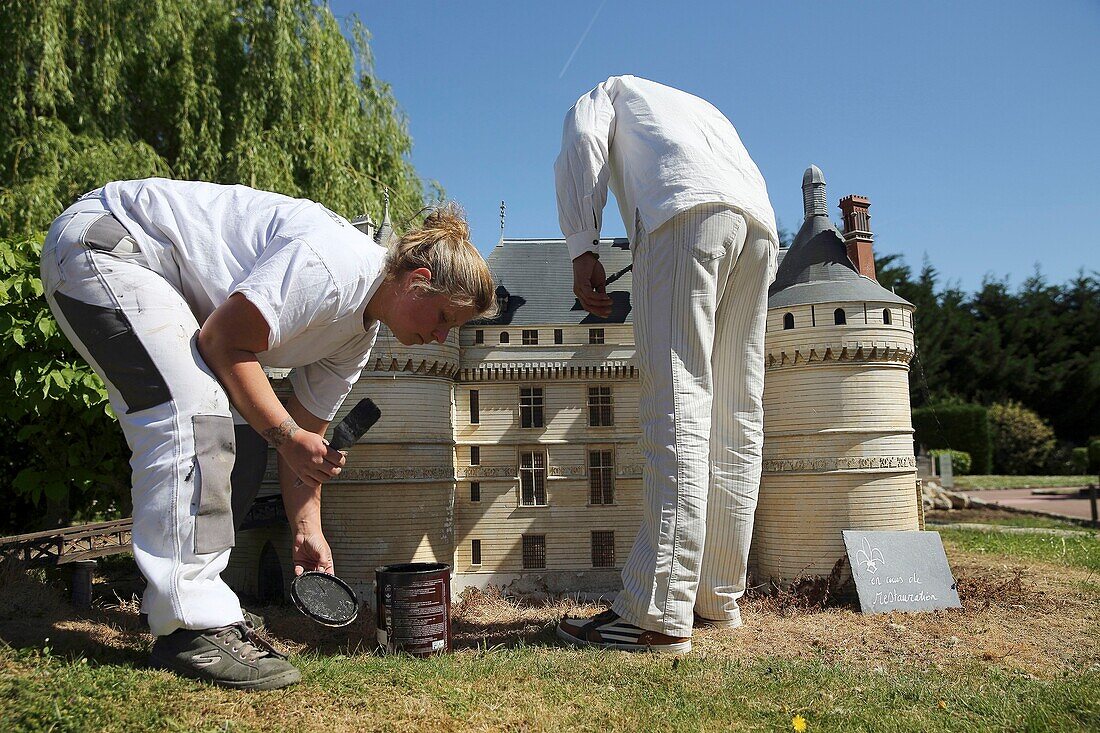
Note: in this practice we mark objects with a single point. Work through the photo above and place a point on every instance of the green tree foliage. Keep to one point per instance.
(269, 93)
(1035, 344)
(1022, 441)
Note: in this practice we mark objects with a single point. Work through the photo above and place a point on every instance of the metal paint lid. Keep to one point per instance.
(324, 598)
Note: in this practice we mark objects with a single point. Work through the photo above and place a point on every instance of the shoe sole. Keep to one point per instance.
(285, 679)
(677, 649)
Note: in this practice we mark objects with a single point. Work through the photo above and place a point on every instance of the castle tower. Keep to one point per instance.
(838, 445)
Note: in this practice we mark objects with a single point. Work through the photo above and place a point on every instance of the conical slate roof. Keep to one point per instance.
(816, 268)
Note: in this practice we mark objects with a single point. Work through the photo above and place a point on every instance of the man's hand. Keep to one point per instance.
(311, 552)
(589, 280)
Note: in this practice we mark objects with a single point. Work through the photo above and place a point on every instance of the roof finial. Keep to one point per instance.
(385, 229)
(814, 202)
(502, 212)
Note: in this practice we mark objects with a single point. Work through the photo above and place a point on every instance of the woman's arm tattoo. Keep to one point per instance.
(278, 435)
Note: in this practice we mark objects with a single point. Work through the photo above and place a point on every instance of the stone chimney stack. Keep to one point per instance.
(857, 234)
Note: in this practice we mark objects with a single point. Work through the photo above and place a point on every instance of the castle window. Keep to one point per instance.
(475, 407)
(475, 552)
(503, 337)
(475, 455)
(600, 413)
(479, 336)
(788, 321)
(886, 318)
(475, 491)
(603, 549)
(532, 478)
(534, 551)
(558, 336)
(595, 335)
(601, 477)
(839, 318)
(530, 337)
(530, 407)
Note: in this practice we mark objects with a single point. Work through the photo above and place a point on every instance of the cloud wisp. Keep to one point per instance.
(583, 36)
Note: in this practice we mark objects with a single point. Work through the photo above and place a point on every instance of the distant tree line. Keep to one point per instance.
(1036, 346)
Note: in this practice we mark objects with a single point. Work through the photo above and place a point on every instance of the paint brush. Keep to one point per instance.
(357, 422)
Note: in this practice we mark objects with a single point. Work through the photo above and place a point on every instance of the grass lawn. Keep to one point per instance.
(1022, 654)
(977, 483)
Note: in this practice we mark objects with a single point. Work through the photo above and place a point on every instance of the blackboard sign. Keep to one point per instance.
(900, 571)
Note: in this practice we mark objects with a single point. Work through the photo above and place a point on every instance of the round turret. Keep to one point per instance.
(838, 447)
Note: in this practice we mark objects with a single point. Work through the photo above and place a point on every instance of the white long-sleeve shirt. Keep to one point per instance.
(662, 151)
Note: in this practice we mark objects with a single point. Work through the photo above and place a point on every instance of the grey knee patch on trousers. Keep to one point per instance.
(116, 348)
(215, 448)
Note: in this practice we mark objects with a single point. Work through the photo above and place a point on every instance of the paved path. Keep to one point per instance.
(1072, 505)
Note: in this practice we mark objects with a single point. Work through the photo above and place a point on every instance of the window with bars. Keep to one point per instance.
(530, 407)
(600, 413)
(601, 477)
(475, 552)
(475, 491)
(603, 549)
(530, 337)
(534, 551)
(479, 336)
(475, 455)
(475, 407)
(595, 335)
(558, 336)
(532, 478)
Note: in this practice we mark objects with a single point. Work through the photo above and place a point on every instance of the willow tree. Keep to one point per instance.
(270, 93)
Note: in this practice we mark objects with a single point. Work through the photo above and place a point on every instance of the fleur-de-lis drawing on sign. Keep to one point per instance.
(869, 557)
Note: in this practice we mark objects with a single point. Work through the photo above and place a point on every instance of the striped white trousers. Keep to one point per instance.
(700, 302)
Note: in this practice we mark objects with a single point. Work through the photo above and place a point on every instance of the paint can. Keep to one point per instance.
(413, 607)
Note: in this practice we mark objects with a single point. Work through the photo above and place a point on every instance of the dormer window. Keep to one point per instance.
(788, 321)
(839, 318)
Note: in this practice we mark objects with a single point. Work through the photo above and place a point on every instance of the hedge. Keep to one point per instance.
(957, 426)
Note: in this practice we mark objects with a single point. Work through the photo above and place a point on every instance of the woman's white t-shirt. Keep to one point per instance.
(308, 271)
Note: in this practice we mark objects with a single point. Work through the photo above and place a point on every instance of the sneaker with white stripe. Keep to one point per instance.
(609, 631)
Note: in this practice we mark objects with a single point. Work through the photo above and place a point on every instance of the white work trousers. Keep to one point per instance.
(140, 336)
(700, 303)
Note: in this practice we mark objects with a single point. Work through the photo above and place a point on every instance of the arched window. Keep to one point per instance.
(788, 321)
(886, 318)
(839, 318)
(503, 337)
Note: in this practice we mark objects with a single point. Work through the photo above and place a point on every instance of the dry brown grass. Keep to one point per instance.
(1023, 616)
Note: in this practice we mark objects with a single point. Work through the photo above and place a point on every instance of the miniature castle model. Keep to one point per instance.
(510, 452)
(838, 436)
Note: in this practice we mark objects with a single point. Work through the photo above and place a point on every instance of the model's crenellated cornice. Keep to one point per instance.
(884, 353)
(527, 370)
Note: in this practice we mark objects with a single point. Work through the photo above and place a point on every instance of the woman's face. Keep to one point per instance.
(419, 317)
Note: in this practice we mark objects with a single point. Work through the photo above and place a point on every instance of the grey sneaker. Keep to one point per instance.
(253, 621)
(230, 656)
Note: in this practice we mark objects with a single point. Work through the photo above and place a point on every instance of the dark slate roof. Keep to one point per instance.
(538, 277)
(816, 269)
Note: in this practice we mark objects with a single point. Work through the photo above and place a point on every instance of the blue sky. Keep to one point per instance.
(973, 127)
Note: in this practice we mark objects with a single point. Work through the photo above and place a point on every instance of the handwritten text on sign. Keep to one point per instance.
(900, 571)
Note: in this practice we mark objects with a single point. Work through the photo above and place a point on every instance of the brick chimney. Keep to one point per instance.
(857, 234)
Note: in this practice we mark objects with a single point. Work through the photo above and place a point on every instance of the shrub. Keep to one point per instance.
(960, 460)
(957, 426)
(1022, 441)
(1079, 461)
(1094, 455)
